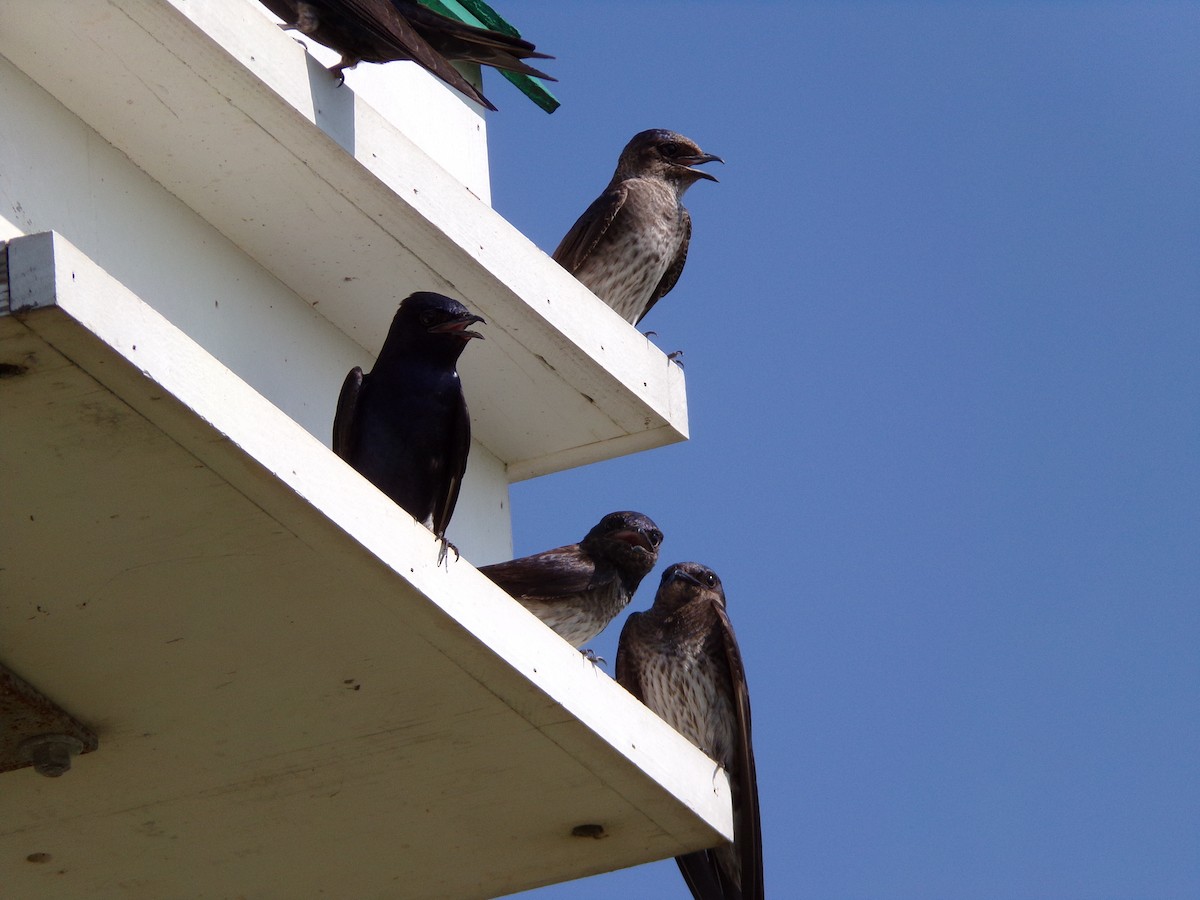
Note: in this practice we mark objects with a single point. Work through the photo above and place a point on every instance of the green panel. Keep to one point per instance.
(478, 13)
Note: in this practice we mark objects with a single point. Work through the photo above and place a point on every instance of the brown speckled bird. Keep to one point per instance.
(630, 245)
(578, 589)
(379, 31)
(681, 659)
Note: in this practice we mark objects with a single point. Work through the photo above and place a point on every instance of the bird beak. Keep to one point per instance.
(680, 575)
(459, 327)
(635, 538)
(690, 161)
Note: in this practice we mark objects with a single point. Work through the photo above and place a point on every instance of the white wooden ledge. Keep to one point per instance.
(292, 698)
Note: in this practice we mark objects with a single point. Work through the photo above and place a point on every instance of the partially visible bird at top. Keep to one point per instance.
(404, 426)
(379, 31)
(681, 659)
(630, 245)
(578, 589)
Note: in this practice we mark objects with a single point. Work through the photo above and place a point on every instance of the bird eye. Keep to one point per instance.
(710, 579)
(429, 317)
(669, 148)
(656, 537)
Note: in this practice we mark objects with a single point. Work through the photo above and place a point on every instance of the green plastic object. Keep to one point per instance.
(478, 13)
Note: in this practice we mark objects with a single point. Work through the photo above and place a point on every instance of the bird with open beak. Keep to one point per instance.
(578, 589)
(630, 245)
(404, 426)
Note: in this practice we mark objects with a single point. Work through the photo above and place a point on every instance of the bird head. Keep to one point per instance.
(665, 154)
(628, 540)
(432, 323)
(438, 314)
(688, 582)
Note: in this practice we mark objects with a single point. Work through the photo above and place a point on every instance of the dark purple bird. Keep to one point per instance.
(379, 31)
(681, 659)
(630, 245)
(580, 588)
(404, 426)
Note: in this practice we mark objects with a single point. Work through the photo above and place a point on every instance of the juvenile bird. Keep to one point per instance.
(379, 31)
(404, 426)
(630, 245)
(681, 659)
(580, 588)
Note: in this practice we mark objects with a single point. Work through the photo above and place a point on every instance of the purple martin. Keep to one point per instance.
(630, 245)
(404, 426)
(580, 588)
(681, 659)
(379, 31)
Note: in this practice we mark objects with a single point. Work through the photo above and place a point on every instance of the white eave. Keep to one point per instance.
(227, 112)
(292, 698)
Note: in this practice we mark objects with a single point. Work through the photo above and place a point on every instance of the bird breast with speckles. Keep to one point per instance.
(580, 617)
(684, 682)
(634, 260)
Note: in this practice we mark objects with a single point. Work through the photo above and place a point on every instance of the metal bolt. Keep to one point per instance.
(51, 753)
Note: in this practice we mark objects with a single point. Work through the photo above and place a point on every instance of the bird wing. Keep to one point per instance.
(458, 40)
(375, 31)
(579, 242)
(702, 876)
(379, 19)
(344, 416)
(547, 576)
(628, 672)
(285, 9)
(390, 24)
(747, 827)
(457, 448)
(675, 269)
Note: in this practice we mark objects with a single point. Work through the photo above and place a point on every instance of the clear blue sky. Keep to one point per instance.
(941, 323)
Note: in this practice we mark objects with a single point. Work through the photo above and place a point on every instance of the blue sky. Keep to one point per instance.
(941, 328)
